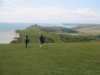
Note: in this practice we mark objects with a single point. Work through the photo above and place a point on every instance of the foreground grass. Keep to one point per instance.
(52, 59)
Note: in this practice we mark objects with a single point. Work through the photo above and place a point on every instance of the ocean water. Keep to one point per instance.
(7, 29)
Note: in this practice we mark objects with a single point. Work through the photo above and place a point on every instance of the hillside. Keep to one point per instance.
(34, 32)
(55, 34)
(52, 59)
(53, 29)
(88, 28)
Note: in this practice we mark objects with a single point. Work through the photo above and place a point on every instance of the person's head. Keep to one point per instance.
(26, 36)
(41, 35)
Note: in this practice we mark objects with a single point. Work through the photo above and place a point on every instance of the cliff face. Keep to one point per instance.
(16, 36)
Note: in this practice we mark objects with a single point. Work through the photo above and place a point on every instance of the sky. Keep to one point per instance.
(50, 11)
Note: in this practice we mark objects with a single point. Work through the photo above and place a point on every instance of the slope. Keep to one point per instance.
(34, 32)
(88, 28)
(52, 59)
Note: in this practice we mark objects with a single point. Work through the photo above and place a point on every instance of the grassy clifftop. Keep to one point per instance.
(58, 34)
(52, 59)
(53, 29)
(34, 32)
(88, 28)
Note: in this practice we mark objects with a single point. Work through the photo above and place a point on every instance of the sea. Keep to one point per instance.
(7, 29)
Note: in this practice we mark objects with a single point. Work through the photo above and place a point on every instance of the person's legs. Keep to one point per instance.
(26, 45)
(41, 44)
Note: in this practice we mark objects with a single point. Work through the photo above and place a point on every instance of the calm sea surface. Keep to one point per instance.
(7, 30)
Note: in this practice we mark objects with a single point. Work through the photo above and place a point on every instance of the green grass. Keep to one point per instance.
(88, 28)
(33, 36)
(52, 59)
(34, 32)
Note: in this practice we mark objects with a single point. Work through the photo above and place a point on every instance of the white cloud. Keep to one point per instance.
(50, 14)
(10, 1)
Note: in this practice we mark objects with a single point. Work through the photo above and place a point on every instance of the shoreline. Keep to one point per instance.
(16, 35)
(8, 37)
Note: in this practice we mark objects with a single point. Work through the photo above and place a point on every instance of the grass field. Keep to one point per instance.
(88, 28)
(52, 59)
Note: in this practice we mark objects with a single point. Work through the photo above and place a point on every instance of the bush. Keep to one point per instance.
(48, 40)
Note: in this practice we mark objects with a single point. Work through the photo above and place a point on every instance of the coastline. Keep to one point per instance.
(7, 34)
(8, 37)
(15, 36)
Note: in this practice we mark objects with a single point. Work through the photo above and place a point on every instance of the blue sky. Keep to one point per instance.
(50, 11)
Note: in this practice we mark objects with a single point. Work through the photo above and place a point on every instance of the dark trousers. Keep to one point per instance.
(26, 44)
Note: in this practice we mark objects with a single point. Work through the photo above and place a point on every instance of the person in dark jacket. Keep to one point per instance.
(26, 40)
(41, 40)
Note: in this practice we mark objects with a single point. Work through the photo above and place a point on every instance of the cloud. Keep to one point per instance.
(50, 14)
(10, 1)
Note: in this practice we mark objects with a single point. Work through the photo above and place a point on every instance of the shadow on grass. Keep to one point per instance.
(45, 48)
(28, 47)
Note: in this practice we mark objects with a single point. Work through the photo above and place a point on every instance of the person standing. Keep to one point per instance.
(41, 40)
(26, 40)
